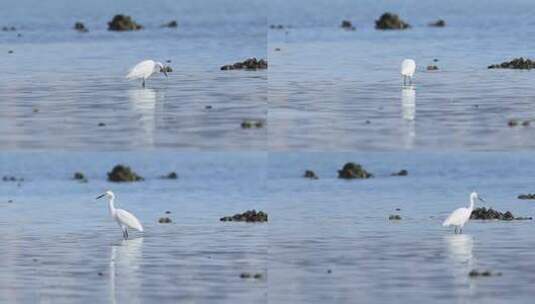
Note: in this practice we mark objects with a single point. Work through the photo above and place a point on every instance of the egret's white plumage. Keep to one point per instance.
(459, 217)
(124, 218)
(145, 69)
(408, 67)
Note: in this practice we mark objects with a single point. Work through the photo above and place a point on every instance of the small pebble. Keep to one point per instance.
(100, 274)
(208, 107)
(10, 52)
(329, 271)
(101, 124)
(167, 212)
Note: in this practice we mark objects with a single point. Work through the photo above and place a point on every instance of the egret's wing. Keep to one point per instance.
(129, 219)
(142, 69)
(456, 217)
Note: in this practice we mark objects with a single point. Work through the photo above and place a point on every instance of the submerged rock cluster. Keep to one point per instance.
(352, 171)
(248, 64)
(80, 27)
(347, 25)
(123, 23)
(250, 216)
(517, 63)
(402, 172)
(438, 23)
(121, 173)
(491, 214)
(390, 21)
(528, 196)
(310, 174)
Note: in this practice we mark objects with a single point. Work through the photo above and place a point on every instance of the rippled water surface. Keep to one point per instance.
(331, 89)
(59, 85)
(342, 226)
(60, 245)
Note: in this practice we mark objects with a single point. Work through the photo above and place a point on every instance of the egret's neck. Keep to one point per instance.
(111, 205)
(472, 202)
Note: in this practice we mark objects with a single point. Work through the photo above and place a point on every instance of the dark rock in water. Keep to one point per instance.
(79, 176)
(249, 123)
(164, 220)
(347, 25)
(394, 217)
(123, 23)
(10, 52)
(517, 63)
(512, 123)
(171, 175)
(8, 178)
(486, 273)
(101, 124)
(277, 49)
(432, 67)
(389, 21)
(402, 172)
(79, 26)
(435, 60)
(438, 23)
(528, 196)
(352, 170)
(247, 275)
(329, 271)
(167, 212)
(122, 173)
(491, 214)
(100, 274)
(171, 24)
(526, 123)
(249, 216)
(248, 64)
(10, 201)
(8, 28)
(276, 27)
(310, 174)
(208, 107)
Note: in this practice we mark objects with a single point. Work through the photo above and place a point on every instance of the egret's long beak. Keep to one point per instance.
(101, 196)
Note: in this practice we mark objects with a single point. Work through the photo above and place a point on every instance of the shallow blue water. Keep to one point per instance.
(58, 85)
(56, 238)
(325, 83)
(342, 226)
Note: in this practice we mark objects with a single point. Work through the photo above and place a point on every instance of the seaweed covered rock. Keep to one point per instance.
(390, 21)
(487, 273)
(171, 24)
(121, 173)
(394, 217)
(123, 23)
(517, 63)
(252, 123)
(438, 23)
(353, 170)
(164, 220)
(528, 196)
(347, 25)
(310, 174)
(79, 176)
(250, 216)
(491, 214)
(248, 64)
(171, 175)
(402, 172)
(80, 27)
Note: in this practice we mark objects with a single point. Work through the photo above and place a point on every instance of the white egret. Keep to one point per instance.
(408, 67)
(459, 217)
(124, 218)
(145, 69)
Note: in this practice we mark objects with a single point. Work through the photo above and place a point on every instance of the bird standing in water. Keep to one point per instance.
(124, 218)
(145, 69)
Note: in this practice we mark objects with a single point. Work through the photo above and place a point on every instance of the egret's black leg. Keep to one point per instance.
(143, 83)
(126, 232)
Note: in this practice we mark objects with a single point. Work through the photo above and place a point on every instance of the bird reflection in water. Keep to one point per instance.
(125, 260)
